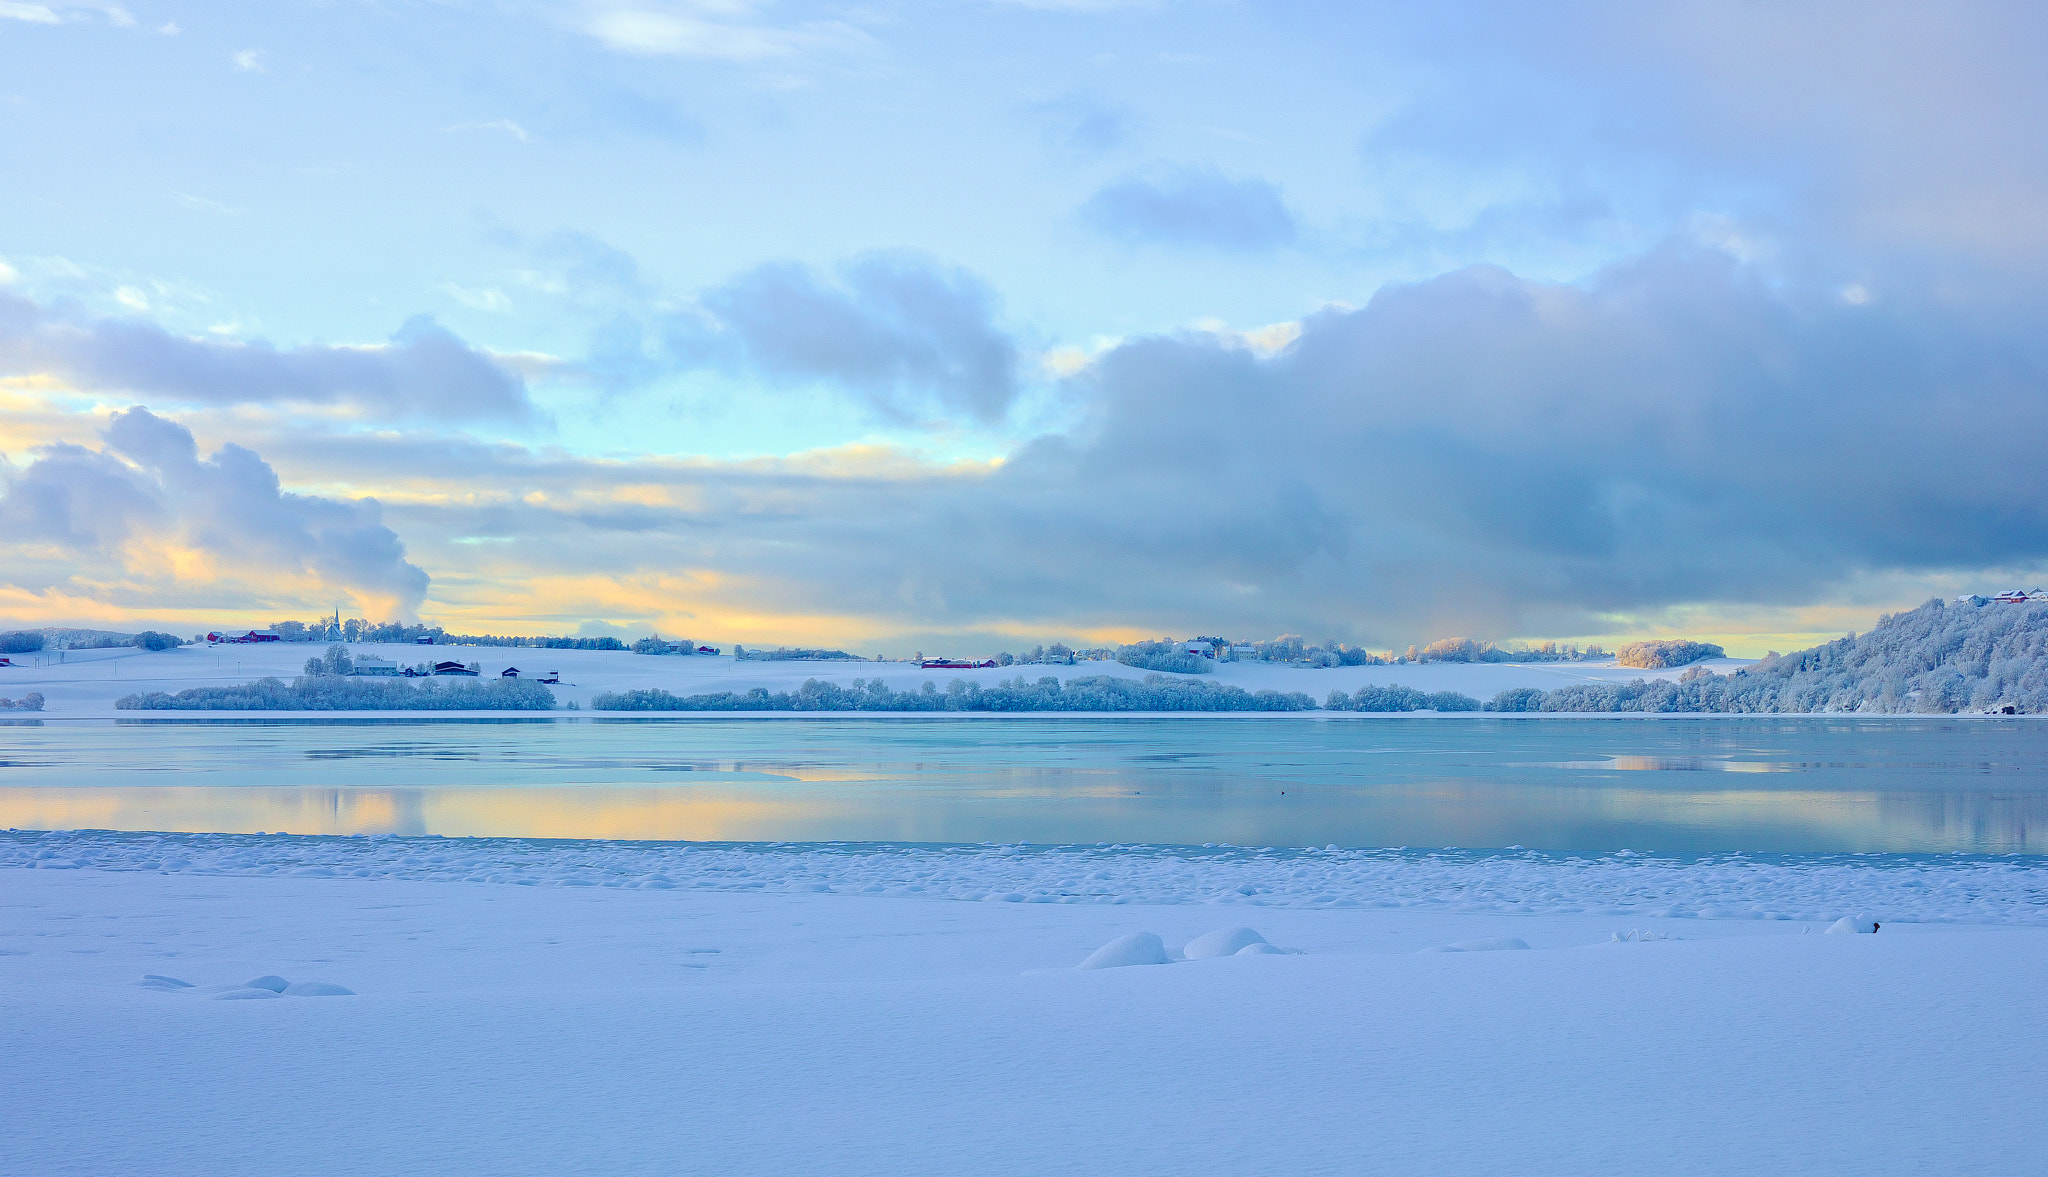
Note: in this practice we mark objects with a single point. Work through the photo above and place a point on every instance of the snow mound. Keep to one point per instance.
(1263, 949)
(1136, 948)
(245, 993)
(1851, 924)
(153, 981)
(316, 989)
(1500, 944)
(275, 984)
(1222, 942)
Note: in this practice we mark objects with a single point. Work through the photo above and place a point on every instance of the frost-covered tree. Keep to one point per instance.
(1661, 655)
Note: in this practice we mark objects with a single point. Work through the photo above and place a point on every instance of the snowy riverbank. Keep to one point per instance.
(734, 1023)
(1920, 888)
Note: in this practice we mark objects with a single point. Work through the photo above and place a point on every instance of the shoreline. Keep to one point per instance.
(11, 718)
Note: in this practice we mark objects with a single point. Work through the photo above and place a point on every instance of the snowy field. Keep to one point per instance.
(85, 683)
(641, 1008)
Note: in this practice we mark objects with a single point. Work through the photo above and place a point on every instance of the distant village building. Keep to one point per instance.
(453, 668)
(2008, 597)
(246, 636)
(509, 672)
(374, 666)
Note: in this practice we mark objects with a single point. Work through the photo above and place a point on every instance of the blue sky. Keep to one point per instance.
(1377, 322)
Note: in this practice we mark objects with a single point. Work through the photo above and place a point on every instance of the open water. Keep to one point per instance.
(1672, 785)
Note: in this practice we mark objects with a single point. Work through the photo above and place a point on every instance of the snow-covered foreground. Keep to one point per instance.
(85, 683)
(2006, 889)
(748, 1026)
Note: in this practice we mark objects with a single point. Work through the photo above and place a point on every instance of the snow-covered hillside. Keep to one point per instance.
(1941, 658)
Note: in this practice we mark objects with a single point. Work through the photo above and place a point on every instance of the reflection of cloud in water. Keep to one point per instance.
(1670, 764)
(1808, 786)
(1441, 813)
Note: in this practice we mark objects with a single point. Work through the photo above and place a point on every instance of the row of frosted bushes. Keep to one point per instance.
(1399, 698)
(335, 693)
(33, 701)
(1093, 693)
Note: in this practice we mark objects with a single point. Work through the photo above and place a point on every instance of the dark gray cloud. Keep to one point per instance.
(150, 484)
(424, 371)
(1473, 452)
(905, 333)
(1195, 207)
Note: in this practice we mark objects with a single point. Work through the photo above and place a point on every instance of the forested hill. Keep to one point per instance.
(1941, 658)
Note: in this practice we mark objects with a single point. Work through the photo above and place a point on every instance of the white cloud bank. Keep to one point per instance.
(143, 521)
(1477, 452)
(424, 371)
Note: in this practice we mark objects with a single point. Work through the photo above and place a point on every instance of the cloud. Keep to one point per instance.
(506, 125)
(728, 30)
(898, 329)
(1477, 452)
(146, 515)
(35, 14)
(1077, 125)
(1195, 207)
(1906, 128)
(248, 61)
(424, 371)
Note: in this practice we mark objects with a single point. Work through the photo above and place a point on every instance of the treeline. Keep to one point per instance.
(1473, 650)
(1939, 659)
(33, 701)
(28, 641)
(1665, 654)
(1395, 697)
(1171, 657)
(339, 693)
(355, 629)
(1093, 693)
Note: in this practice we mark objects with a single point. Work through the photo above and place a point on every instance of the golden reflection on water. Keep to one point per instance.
(1920, 788)
(1440, 813)
(534, 812)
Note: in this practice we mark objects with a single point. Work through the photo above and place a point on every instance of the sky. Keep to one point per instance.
(972, 325)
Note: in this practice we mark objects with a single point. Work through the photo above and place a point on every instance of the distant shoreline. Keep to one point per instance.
(194, 716)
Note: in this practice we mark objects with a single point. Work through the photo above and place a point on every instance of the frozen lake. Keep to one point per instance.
(1673, 786)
